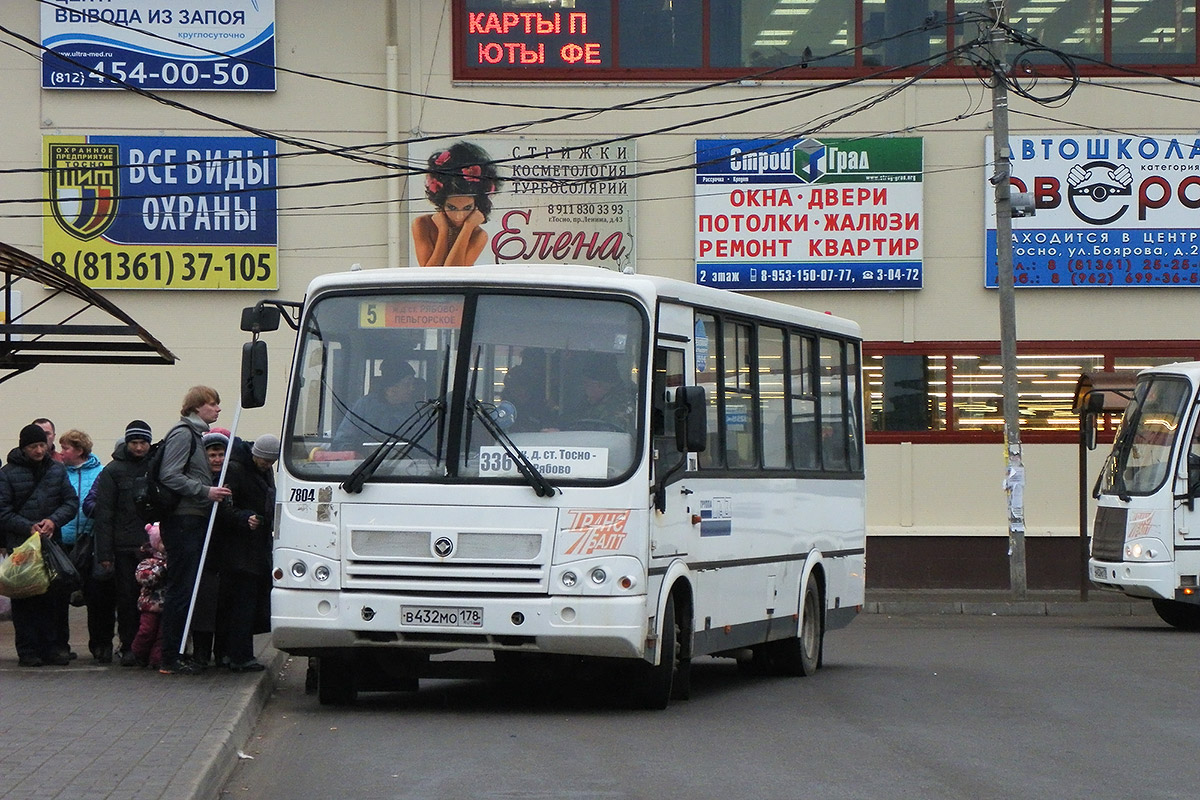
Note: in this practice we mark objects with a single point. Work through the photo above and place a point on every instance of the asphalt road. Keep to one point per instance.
(905, 707)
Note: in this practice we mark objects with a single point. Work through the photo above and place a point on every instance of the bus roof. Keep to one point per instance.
(650, 288)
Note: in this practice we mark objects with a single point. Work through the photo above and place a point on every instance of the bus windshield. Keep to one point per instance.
(479, 386)
(1141, 455)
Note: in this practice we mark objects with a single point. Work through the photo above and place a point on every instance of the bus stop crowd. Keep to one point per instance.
(146, 584)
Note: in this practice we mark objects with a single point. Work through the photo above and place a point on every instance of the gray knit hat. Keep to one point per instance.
(266, 446)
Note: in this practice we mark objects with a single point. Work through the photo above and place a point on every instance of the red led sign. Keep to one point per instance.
(572, 39)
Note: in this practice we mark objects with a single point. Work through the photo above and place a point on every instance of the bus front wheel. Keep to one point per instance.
(655, 684)
(1184, 616)
(335, 681)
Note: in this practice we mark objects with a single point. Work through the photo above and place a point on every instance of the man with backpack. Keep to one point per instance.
(185, 472)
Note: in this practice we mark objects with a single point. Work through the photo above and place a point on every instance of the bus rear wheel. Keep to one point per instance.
(801, 655)
(335, 681)
(1184, 616)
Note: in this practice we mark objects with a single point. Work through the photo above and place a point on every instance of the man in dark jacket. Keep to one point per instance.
(246, 556)
(119, 531)
(36, 497)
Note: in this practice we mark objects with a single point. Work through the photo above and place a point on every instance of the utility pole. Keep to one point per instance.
(1014, 479)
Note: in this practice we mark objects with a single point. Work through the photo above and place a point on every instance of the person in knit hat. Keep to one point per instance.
(36, 498)
(246, 560)
(119, 531)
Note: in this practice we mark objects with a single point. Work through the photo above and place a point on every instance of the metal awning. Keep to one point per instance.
(73, 324)
(1114, 388)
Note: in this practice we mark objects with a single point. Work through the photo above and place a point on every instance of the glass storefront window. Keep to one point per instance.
(960, 391)
(905, 392)
(761, 34)
(1154, 32)
(634, 40)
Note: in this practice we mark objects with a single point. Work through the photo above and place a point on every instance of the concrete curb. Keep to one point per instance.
(217, 753)
(1015, 608)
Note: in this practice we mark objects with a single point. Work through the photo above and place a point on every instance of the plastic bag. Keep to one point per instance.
(62, 572)
(23, 573)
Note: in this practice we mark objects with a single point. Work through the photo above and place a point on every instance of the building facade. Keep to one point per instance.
(859, 186)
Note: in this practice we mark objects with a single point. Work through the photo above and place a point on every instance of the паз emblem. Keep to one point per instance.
(83, 187)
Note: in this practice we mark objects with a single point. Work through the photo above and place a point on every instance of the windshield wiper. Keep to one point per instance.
(410, 432)
(526, 467)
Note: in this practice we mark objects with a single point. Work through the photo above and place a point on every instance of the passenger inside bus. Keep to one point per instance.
(607, 399)
(392, 399)
(525, 390)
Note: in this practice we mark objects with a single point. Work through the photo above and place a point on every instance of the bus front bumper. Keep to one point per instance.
(307, 622)
(1149, 580)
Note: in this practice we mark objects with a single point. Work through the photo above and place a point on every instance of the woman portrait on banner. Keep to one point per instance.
(459, 182)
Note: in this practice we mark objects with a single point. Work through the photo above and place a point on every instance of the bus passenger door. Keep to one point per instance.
(672, 523)
(1186, 541)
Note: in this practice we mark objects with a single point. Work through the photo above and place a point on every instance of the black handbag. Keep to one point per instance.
(63, 575)
(82, 553)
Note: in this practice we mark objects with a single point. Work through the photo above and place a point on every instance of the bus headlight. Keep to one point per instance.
(294, 569)
(1144, 550)
(599, 576)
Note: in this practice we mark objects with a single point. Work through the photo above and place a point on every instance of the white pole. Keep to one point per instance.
(212, 518)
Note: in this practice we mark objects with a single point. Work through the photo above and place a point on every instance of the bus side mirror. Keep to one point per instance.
(260, 318)
(254, 372)
(691, 419)
(1087, 420)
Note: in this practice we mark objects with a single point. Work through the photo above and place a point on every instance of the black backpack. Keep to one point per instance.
(152, 500)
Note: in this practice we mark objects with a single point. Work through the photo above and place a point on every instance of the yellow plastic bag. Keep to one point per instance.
(23, 574)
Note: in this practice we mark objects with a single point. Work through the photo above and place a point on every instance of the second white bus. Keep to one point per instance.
(1146, 537)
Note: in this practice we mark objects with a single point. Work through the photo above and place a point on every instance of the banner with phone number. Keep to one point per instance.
(162, 212)
(159, 44)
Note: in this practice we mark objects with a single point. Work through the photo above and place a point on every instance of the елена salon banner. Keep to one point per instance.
(162, 212)
(560, 201)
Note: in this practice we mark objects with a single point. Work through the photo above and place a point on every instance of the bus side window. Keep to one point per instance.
(708, 350)
(806, 453)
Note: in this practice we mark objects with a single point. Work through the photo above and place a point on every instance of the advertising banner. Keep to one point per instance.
(1115, 210)
(161, 212)
(817, 214)
(159, 44)
(558, 201)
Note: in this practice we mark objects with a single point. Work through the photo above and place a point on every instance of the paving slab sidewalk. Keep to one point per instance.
(89, 731)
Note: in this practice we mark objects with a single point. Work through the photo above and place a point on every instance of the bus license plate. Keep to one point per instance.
(1098, 572)
(444, 616)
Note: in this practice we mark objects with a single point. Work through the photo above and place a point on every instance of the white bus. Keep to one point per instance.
(562, 462)
(1146, 537)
